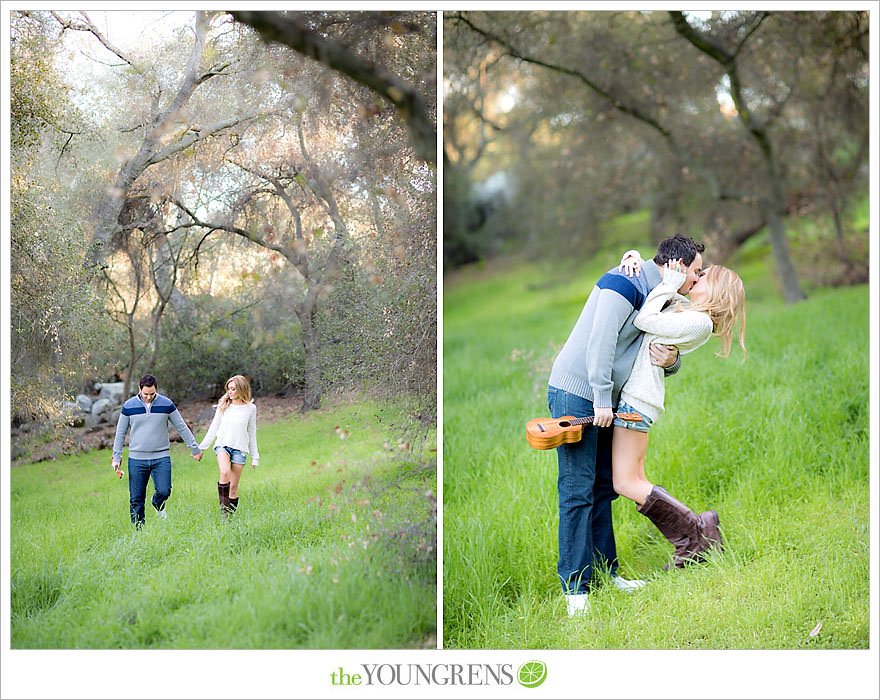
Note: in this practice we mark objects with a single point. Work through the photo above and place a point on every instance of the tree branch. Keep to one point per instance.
(406, 99)
(287, 253)
(679, 149)
(88, 26)
(185, 143)
(752, 30)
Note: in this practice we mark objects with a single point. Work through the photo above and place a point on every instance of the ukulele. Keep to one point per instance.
(547, 433)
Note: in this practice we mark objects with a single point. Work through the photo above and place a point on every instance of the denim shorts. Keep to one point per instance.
(235, 456)
(643, 426)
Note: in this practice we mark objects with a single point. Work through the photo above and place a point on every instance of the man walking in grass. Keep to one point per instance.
(149, 450)
(586, 379)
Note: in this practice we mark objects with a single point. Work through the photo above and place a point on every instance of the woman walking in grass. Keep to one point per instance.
(717, 300)
(235, 429)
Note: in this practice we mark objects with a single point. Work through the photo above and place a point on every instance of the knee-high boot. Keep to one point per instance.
(233, 504)
(692, 535)
(223, 494)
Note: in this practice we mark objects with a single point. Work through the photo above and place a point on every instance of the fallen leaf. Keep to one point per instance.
(816, 629)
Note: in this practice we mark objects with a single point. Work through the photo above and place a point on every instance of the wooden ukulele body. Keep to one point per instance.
(547, 433)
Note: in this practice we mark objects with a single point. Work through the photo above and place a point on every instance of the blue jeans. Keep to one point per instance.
(586, 490)
(139, 472)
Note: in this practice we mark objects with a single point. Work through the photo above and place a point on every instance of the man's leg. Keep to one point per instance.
(602, 528)
(138, 476)
(161, 482)
(577, 472)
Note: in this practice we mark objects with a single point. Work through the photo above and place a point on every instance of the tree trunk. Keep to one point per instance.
(132, 357)
(772, 209)
(791, 288)
(312, 398)
(111, 207)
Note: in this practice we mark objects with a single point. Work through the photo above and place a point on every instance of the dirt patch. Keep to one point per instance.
(197, 414)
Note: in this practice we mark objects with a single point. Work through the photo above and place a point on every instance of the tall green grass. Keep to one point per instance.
(778, 444)
(330, 547)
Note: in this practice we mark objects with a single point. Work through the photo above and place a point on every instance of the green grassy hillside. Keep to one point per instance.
(778, 444)
(331, 547)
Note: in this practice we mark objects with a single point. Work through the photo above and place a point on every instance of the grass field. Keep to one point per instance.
(777, 444)
(331, 546)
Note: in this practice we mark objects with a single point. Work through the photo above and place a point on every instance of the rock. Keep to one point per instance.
(102, 408)
(84, 402)
(93, 421)
(114, 417)
(207, 414)
(18, 451)
(114, 391)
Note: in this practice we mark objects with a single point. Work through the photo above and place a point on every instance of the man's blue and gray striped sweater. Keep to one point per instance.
(149, 429)
(598, 356)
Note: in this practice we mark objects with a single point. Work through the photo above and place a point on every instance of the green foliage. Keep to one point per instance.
(329, 549)
(54, 315)
(464, 238)
(778, 444)
(37, 94)
(55, 318)
(589, 115)
(199, 353)
(379, 323)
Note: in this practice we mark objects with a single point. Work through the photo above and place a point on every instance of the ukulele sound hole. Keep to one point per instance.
(564, 424)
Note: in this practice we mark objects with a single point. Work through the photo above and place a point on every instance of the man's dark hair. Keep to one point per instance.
(678, 247)
(147, 380)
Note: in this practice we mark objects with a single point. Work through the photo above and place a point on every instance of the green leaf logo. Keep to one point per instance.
(531, 674)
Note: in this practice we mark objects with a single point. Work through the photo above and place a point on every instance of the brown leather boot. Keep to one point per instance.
(223, 493)
(691, 534)
(233, 504)
(709, 529)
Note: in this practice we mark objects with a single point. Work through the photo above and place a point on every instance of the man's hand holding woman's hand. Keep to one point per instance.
(603, 417)
(198, 457)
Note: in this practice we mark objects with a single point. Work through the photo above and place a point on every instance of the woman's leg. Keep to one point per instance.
(223, 483)
(235, 471)
(628, 464)
(223, 464)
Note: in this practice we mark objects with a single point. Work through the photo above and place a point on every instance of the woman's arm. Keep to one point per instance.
(212, 431)
(682, 329)
(631, 263)
(252, 437)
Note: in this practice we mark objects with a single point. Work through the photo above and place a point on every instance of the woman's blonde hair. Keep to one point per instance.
(725, 302)
(242, 392)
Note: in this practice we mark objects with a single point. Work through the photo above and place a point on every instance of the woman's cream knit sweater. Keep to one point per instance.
(686, 329)
(235, 427)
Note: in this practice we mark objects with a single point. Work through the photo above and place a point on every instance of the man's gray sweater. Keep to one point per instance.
(598, 356)
(149, 429)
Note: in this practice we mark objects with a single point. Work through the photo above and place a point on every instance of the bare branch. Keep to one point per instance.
(620, 105)
(286, 252)
(188, 141)
(752, 30)
(88, 26)
(409, 103)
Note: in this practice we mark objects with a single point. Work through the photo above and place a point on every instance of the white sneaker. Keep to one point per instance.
(625, 585)
(162, 514)
(577, 604)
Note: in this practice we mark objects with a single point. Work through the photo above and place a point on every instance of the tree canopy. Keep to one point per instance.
(228, 204)
(712, 122)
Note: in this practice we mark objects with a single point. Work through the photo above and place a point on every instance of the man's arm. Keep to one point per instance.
(185, 433)
(612, 311)
(662, 355)
(119, 440)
